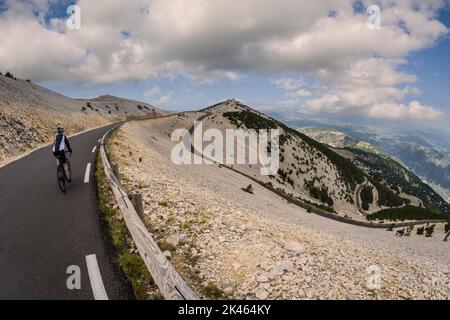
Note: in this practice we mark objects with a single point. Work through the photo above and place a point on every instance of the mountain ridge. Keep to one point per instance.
(29, 114)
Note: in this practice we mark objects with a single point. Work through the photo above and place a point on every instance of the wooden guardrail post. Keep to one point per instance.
(138, 204)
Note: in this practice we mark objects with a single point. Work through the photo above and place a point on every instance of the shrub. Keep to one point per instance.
(212, 291)
(9, 75)
(429, 231)
(186, 225)
(321, 194)
(408, 231)
(400, 232)
(163, 204)
(420, 231)
(164, 246)
(248, 189)
(447, 227)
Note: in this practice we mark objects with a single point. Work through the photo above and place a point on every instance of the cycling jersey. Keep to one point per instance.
(60, 144)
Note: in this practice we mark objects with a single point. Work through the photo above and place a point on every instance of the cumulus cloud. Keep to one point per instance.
(152, 92)
(380, 103)
(413, 111)
(166, 99)
(209, 40)
(301, 93)
(289, 84)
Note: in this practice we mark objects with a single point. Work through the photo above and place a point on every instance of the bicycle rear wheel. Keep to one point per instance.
(61, 179)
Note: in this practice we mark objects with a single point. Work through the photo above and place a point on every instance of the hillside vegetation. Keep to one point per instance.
(399, 179)
(347, 172)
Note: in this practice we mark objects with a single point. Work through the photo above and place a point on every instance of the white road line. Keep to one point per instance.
(95, 148)
(99, 140)
(86, 175)
(95, 277)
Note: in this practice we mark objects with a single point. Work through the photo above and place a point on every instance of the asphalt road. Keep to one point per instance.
(43, 231)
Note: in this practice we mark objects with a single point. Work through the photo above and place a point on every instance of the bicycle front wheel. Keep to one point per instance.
(61, 179)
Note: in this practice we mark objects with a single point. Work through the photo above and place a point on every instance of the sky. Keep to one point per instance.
(311, 57)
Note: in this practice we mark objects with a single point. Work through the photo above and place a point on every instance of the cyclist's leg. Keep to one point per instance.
(67, 171)
(66, 167)
(55, 154)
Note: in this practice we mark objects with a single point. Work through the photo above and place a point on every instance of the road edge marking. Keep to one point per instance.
(87, 174)
(95, 278)
(95, 148)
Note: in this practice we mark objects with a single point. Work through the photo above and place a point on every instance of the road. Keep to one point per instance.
(43, 232)
(358, 190)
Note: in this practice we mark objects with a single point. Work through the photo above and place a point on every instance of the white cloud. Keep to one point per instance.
(152, 92)
(209, 40)
(166, 99)
(301, 93)
(413, 111)
(378, 102)
(289, 84)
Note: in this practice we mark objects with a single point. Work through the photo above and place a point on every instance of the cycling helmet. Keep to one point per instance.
(60, 129)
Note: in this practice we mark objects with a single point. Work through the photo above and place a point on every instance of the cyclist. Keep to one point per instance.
(59, 150)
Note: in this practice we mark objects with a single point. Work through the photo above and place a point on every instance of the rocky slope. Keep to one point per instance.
(309, 170)
(29, 115)
(228, 243)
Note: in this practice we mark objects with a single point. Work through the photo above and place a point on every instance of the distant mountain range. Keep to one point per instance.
(426, 154)
(338, 139)
(381, 167)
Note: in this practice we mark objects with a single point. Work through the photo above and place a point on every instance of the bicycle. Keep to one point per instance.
(61, 174)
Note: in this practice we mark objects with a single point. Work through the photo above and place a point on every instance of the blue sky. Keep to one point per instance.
(126, 51)
(433, 70)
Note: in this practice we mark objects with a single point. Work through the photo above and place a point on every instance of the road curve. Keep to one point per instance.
(358, 190)
(189, 146)
(43, 232)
